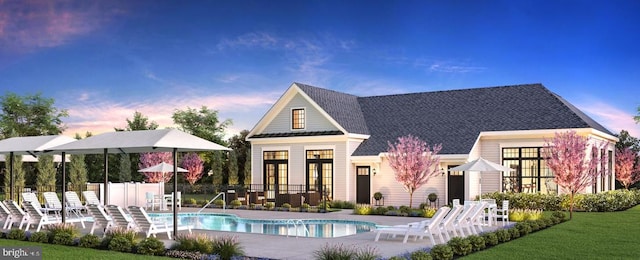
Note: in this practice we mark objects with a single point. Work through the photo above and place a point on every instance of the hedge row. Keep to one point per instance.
(606, 201)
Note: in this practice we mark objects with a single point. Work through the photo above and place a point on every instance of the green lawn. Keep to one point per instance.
(590, 235)
(50, 251)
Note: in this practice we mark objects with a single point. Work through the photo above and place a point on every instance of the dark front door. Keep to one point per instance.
(456, 185)
(363, 187)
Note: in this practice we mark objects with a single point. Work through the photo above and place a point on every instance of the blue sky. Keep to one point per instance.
(104, 60)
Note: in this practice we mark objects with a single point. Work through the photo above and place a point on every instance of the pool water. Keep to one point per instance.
(304, 228)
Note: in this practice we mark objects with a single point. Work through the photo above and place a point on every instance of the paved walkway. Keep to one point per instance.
(283, 247)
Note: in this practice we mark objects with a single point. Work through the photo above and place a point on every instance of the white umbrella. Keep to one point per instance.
(481, 165)
(162, 167)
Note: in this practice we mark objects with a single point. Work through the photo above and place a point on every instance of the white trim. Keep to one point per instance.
(305, 115)
(298, 139)
(319, 147)
(358, 136)
(322, 112)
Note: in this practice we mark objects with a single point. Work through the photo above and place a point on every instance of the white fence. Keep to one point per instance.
(128, 194)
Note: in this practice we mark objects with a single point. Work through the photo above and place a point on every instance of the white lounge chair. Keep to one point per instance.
(503, 213)
(428, 228)
(100, 218)
(169, 201)
(53, 202)
(476, 221)
(90, 197)
(37, 217)
(461, 222)
(144, 224)
(119, 217)
(33, 198)
(447, 223)
(73, 201)
(5, 215)
(16, 213)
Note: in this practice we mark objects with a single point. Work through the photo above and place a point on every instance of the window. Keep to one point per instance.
(297, 118)
(610, 170)
(531, 173)
(320, 171)
(275, 172)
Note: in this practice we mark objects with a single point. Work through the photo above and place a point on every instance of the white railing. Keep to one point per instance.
(224, 202)
(295, 223)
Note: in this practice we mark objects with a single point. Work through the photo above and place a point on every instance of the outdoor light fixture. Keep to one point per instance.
(374, 171)
(442, 170)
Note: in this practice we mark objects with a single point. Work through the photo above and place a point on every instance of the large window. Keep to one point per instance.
(531, 173)
(275, 172)
(297, 118)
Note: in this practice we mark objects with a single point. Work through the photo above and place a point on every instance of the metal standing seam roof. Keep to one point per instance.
(453, 118)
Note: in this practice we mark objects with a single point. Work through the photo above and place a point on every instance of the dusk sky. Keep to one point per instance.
(104, 60)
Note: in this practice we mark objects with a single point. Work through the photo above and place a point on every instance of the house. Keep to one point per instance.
(318, 138)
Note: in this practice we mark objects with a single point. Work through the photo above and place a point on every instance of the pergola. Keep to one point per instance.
(29, 145)
(165, 140)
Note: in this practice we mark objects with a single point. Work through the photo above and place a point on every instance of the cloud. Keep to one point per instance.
(451, 67)
(611, 117)
(97, 116)
(30, 25)
(250, 40)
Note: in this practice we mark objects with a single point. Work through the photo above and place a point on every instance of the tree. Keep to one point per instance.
(77, 173)
(30, 115)
(151, 159)
(125, 168)
(413, 162)
(18, 177)
(573, 168)
(217, 165)
(637, 118)
(239, 144)
(627, 170)
(46, 178)
(194, 165)
(202, 123)
(232, 168)
(247, 168)
(139, 122)
(627, 141)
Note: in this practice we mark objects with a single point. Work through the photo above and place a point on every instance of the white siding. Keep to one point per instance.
(314, 120)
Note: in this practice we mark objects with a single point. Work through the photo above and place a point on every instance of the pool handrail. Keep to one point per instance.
(295, 223)
(224, 202)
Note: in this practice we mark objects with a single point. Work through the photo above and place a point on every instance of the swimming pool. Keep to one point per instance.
(304, 228)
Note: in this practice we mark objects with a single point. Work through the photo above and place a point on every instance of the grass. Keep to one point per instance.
(590, 235)
(50, 251)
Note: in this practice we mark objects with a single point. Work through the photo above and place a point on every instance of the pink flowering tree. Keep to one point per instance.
(626, 173)
(151, 159)
(413, 162)
(573, 168)
(192, 163)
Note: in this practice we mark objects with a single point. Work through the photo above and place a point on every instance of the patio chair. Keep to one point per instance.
(169, 200)
(37, 217)
(447, 223)
(31, 197)
(461, 222)
(5, 215)
(503, 213)
(477, 218)
(91, 198)
(144, 224)
(53, 202)
(100, 219)
(73, 201)
(152, 200)
(119, 217)
(428, 228)
(16, 213)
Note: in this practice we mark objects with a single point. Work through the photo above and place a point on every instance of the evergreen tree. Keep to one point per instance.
(247, 168)
(46, 177)
(232, 167)
(18, 178)
(77, 173)
(217, 165)
(125, 168)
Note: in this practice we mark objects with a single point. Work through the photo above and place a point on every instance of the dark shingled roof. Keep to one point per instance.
(455, 118)
(290, 134)
(344, 108)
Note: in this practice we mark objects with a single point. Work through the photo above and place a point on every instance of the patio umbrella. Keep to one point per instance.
(480, 165)
(162, 167)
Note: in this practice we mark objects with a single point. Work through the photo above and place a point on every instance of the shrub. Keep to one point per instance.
(559, 215)
(503, 235)
(381, 210)
(120, 244)
(517, 215)
(524, 227)
(441, 252)
(235, 203)
(185, 254)
(334, 252)
(190, 201)
(348, 205)
(151, 246)
(62, 238)
(477, 242)
(227, 247)
(389, 208)
(286, 205)
(490, 238)
(39, 237)
(429, 212)
(460, 246)
(17, 234)
(548, 221)
(533, 214)
(305, 206)
(90, 241)
(533, 224)
(367, 253)
(218, 203)
(269, 205)
(515, 233)
(405, 209)
(420, 255)
(62, 228)
(193, 243)
(362, 210)
(337, 204)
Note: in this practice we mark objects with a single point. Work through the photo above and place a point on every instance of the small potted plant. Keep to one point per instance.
(377, 196)
(432, 197)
